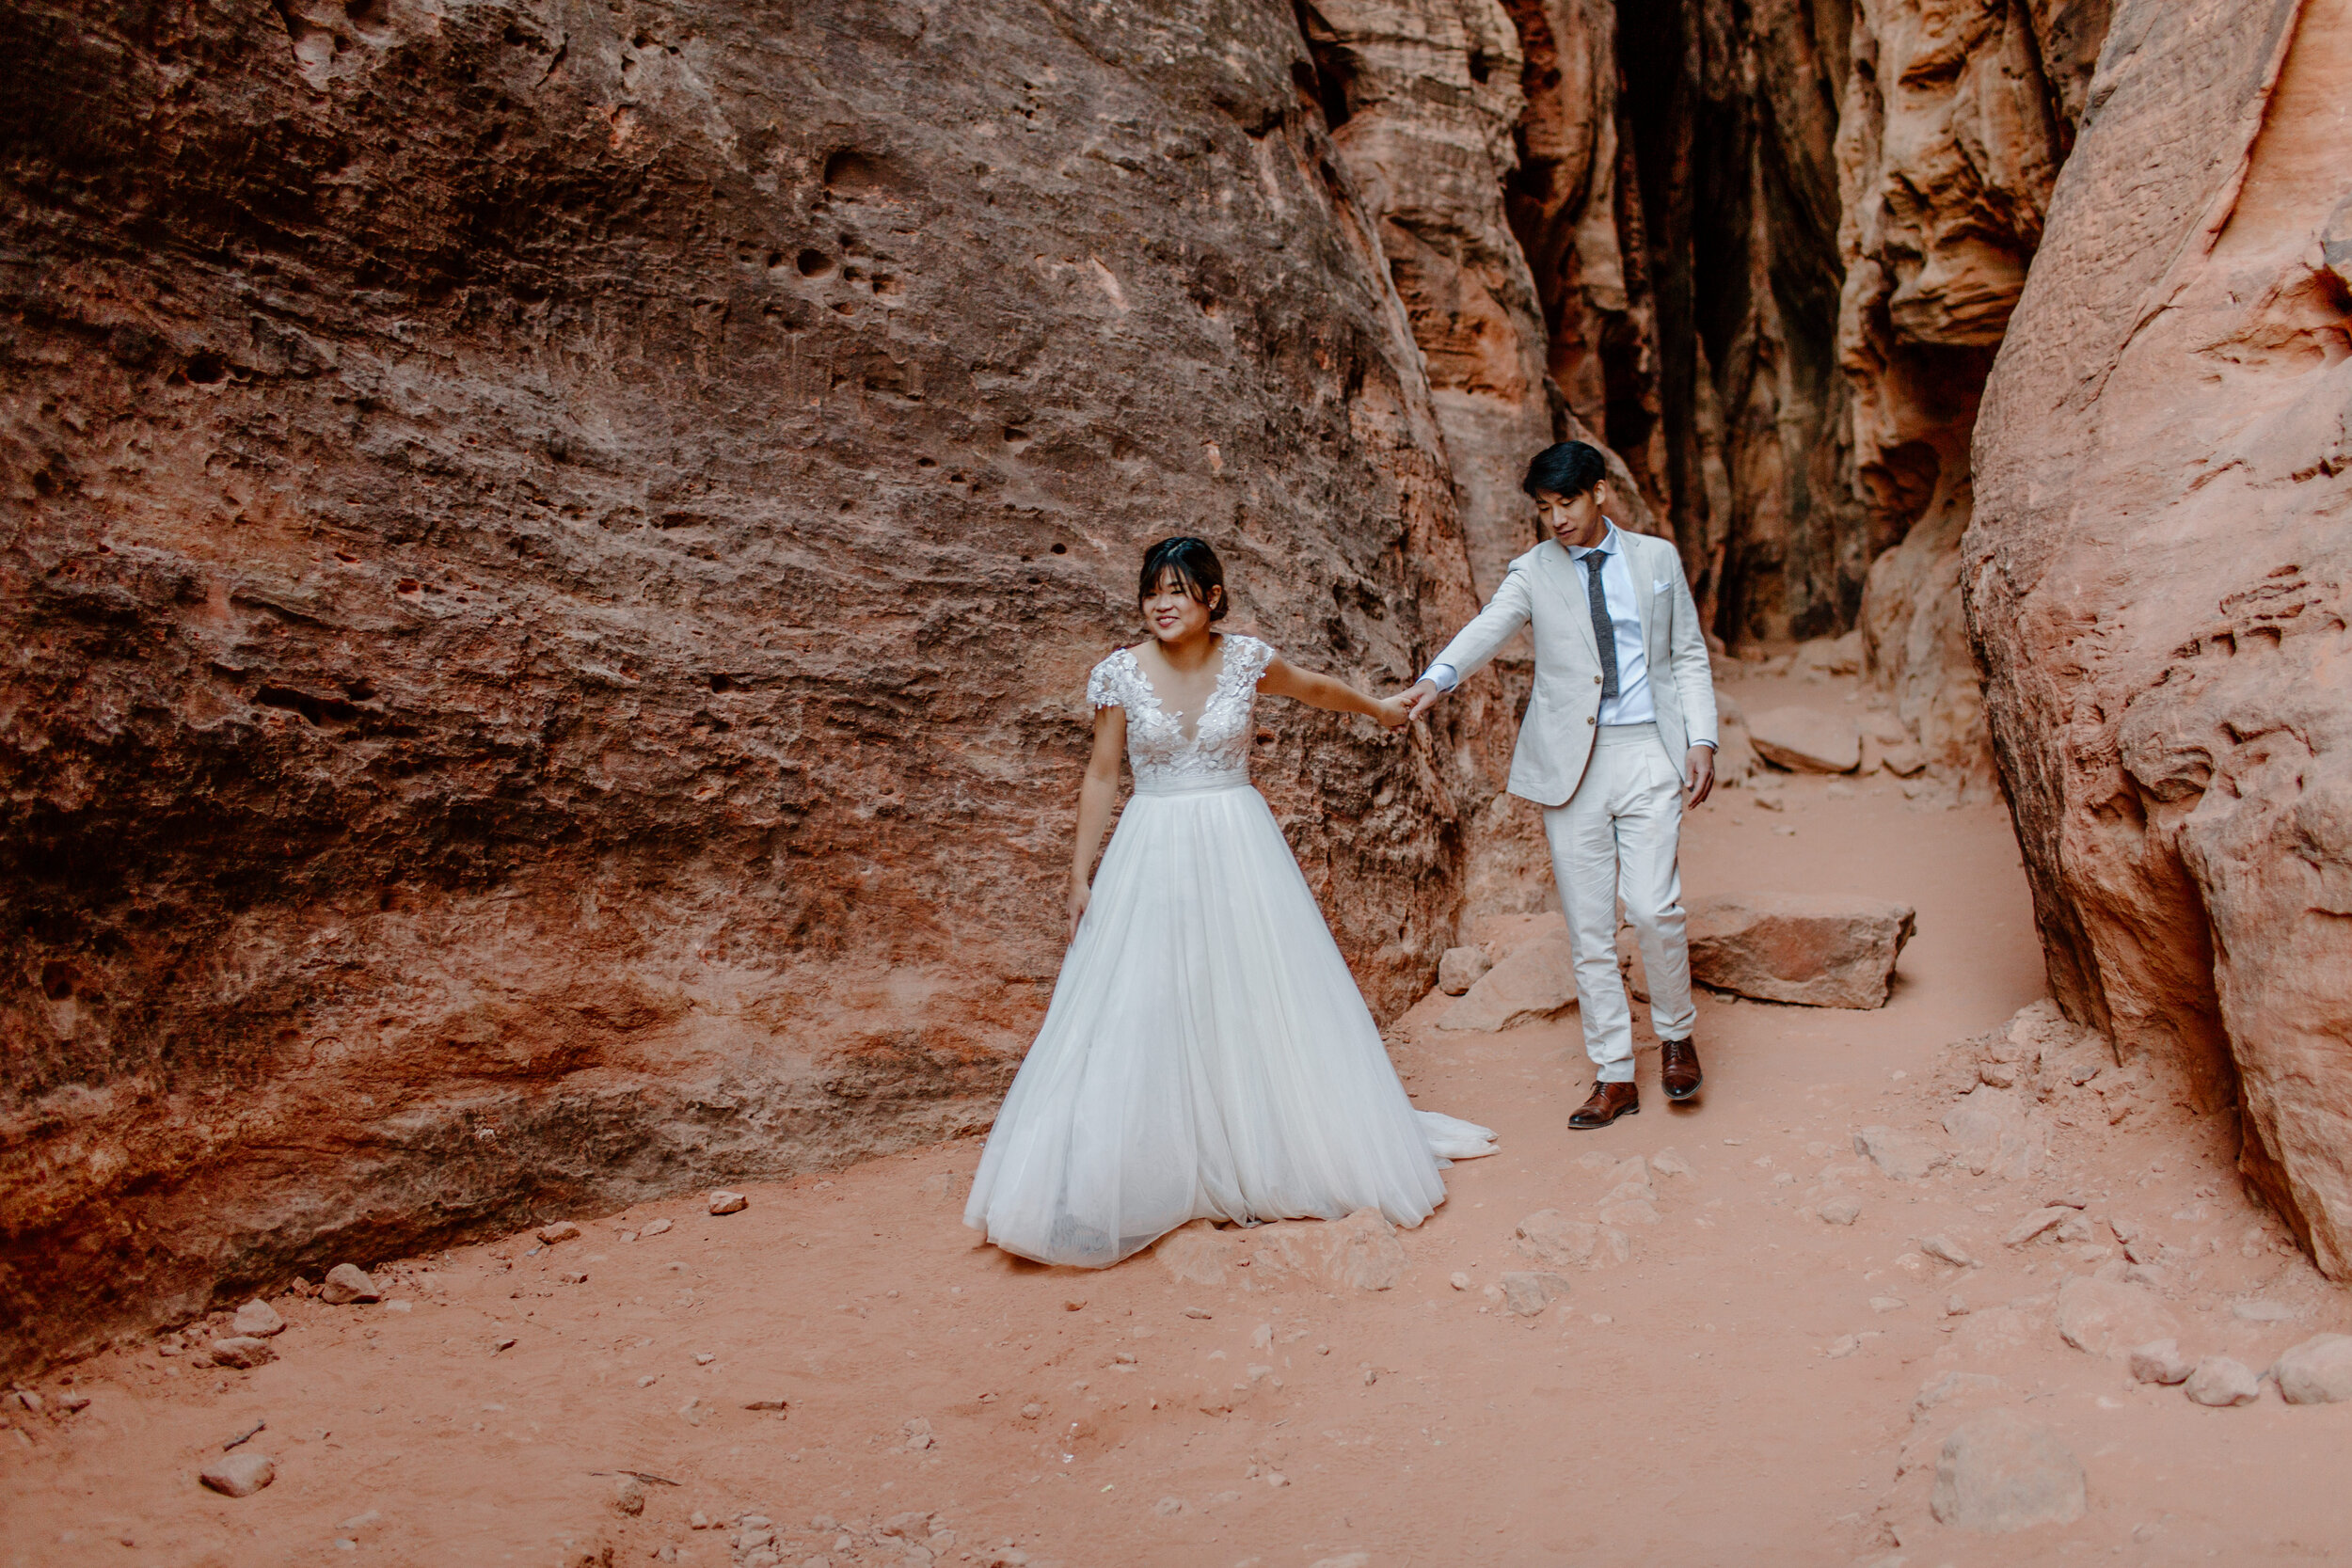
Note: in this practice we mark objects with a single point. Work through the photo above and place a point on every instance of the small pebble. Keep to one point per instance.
(565, 1231)
(238, 1475)
(347, 1283)
(724, 1202)
(242, 1352)
(2220, 1382)
(258, 1320)
(2161, 1362)
(1951, 1252)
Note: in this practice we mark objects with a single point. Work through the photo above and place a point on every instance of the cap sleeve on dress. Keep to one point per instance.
(1103, 687)
(1255, 656)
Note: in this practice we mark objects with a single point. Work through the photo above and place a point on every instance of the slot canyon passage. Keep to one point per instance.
(551, 553)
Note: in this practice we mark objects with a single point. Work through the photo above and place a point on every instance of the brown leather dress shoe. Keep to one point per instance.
(1609, 1102)
(1680, 1071)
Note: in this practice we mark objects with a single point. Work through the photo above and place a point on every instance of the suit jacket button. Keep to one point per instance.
(1592, 720)
(1595, 680)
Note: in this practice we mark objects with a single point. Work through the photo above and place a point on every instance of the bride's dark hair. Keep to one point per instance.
(1194, 564)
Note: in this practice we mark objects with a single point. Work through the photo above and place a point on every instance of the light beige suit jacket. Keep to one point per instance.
(1544, 590)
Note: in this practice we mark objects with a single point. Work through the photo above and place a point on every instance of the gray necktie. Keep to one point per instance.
(1604, 630)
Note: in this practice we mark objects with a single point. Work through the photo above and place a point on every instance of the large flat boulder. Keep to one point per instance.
(1821, 949)
(1807, 741)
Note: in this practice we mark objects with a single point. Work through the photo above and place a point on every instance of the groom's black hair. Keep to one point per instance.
(1195, 566)
(1565, 468)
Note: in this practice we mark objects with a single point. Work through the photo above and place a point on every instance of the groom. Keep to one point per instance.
(1622, 714)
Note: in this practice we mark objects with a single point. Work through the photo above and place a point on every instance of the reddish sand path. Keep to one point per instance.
(1684, 1407)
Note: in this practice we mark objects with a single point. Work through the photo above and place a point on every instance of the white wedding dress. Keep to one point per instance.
(1206, 1053)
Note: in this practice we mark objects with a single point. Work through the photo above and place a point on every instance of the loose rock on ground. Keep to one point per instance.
(239, 1475)
(2222, 1380)
(347, 1283)
(2000, 1472)
(1821, 950)
(2317, 1371)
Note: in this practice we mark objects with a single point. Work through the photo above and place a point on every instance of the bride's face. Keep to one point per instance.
(1173, 614)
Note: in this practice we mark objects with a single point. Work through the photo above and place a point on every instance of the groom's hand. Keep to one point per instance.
(1419, 698)
(1701, 766)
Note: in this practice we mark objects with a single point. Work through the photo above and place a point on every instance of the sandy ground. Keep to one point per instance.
(1740, 1391)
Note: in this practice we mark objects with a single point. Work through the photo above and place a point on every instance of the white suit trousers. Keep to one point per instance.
(1618, 836)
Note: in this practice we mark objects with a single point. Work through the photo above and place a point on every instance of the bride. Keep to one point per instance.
(1206, 1054)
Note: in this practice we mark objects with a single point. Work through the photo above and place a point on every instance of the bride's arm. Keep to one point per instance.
(1096, 797)
(1284, 679)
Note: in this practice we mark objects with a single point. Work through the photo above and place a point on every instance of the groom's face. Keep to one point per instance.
(1578, 521)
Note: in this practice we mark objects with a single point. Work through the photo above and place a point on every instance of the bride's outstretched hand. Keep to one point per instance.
(1078, 893)
(1392, 712)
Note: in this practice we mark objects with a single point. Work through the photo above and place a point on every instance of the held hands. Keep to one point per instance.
(1418, 698)
(1391, 712)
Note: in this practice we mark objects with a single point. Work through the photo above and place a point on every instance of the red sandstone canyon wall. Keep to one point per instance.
(550, 553)
(2157, 575)
(1957, 119)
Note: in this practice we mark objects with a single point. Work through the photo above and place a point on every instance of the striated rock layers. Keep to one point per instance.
(2159, 574)
(1956, 118)
(550, 557)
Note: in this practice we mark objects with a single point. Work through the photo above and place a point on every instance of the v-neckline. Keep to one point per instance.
(1224, 660)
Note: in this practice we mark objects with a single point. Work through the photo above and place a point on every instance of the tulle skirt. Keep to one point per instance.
(1206, 1054)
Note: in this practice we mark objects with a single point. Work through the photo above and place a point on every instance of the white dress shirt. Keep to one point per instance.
(1632, 704)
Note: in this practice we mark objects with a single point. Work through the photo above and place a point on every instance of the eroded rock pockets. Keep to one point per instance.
(553, 600)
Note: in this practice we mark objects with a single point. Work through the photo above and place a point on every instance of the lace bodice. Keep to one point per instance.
(1162, 760)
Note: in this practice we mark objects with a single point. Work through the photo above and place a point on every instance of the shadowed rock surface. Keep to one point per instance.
(1956, 121)
(551, 554)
